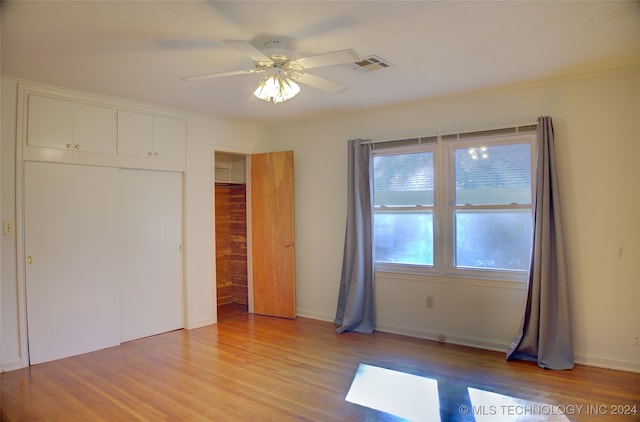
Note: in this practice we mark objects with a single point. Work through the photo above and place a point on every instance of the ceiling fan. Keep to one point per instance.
(283, 71)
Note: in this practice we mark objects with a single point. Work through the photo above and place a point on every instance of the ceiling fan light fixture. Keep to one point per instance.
(276, 89)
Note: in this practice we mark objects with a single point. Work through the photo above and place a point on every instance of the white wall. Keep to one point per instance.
(205, 135)
(10, 346)
(597, 146)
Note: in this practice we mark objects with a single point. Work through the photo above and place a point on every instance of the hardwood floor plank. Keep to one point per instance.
(250, 367)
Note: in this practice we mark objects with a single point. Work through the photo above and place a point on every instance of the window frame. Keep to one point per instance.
(444, 207)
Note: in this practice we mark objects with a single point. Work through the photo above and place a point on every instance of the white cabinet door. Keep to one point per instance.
(71, 241)
(135, 134)
(150, 230)
(50, 122)
(169, 137)
(62, 124)
(146, 135)
(94, 129)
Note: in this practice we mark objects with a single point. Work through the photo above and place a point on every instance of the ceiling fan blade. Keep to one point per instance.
(248, 49)
(321, 83)
(328, 59)
(218, 75)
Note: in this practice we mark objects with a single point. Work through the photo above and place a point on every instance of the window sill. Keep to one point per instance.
(457, 279)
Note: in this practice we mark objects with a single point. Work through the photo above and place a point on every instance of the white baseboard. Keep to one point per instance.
(615, 364)
(315, 315)
(493, 345)
(12, 365)
(199, 323)
(490, 344)
(498, 346)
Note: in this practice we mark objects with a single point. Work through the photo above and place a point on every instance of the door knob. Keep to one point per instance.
(287, 244)
(29, 260)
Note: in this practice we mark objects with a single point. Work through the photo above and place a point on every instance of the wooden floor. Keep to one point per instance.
(250, 368)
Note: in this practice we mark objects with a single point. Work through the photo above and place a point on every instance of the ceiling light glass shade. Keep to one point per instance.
(276, 89)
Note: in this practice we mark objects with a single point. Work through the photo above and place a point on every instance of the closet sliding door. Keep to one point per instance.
(72, 269)
(150, 239)
(104, 257)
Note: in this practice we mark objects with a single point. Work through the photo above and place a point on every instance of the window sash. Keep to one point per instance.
(513, 258)
(451, 264)
(515, 190)
(417, 245)
(413, 147)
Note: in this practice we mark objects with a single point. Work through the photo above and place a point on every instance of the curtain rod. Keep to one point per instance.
(523, 128)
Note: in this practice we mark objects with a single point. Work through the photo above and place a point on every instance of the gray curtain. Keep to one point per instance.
(545, 332)
(355, 302)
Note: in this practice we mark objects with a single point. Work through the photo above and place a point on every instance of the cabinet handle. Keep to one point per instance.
(29, 260)
(69, 146)
(156, 154)
(150, 154)
(77, 146)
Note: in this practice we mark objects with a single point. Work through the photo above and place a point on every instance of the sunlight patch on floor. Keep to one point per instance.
(417, 398)
(408, 396)
(494, 407)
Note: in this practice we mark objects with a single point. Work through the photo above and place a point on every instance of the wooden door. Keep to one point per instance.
(272, 232)
(72, 269)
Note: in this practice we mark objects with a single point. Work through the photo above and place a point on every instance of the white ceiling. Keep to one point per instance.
(140, 49)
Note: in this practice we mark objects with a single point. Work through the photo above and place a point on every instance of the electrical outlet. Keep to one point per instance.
(429, 301)
(7, 228)
(636, 339)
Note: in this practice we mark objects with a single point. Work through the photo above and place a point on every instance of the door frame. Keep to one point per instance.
(212, 188)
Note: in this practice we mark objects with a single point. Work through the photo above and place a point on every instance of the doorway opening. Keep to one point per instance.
(232, 289)
(256, 262)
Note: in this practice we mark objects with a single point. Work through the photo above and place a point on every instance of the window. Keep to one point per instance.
(404, 207)
(454, 206)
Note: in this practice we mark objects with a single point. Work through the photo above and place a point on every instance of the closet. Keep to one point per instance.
(102, 221)
(255, 217)
(231, 229)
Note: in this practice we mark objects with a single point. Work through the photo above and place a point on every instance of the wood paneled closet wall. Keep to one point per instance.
(231, 229)
(231, 243)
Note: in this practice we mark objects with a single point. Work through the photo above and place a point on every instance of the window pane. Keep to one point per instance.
(493, 239)
(404, 238)
(403, 179)
(493, 175)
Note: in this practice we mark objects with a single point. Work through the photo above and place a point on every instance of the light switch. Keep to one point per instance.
(7, 228)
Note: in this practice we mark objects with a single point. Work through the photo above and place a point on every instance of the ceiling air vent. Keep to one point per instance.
(371, 63)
